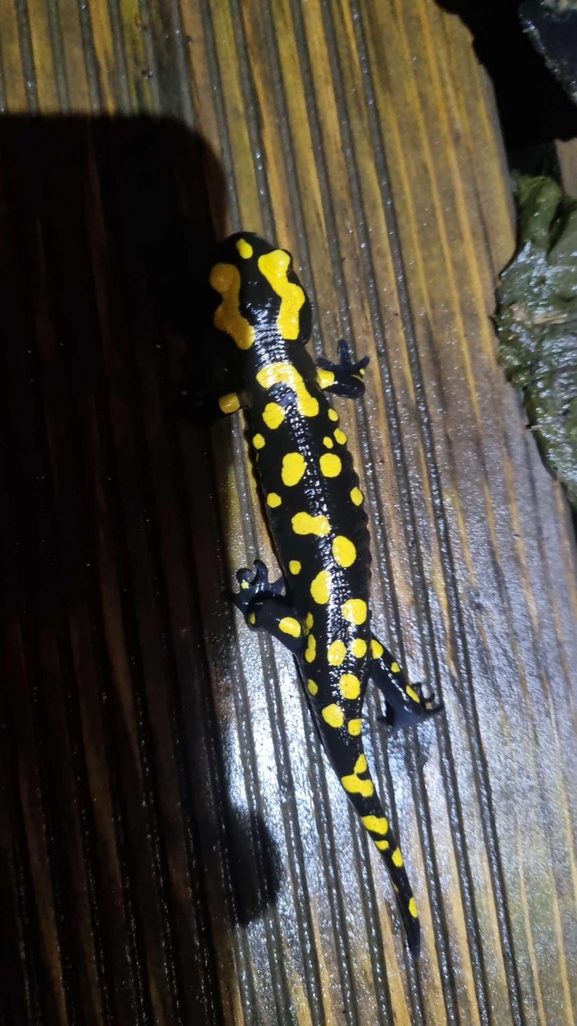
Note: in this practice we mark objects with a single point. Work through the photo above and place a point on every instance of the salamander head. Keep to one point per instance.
(261, 296)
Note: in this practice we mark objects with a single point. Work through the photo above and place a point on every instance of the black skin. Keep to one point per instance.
(316, 516)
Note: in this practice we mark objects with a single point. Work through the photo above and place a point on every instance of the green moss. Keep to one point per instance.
(536, 322)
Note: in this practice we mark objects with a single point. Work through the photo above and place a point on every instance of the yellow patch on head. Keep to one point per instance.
(382, 845)
(355, 727)
(225, 278)
(395, 668)
(333, 715)
(229, 403)
(311, 651)
(288, 625)
(293, 468)
(336, 652)
(376, 648)
(274, 267)
(328, 442)
(295, 567)
(355, 611)
(273, 415)
(359, 648)
(350, 686)
(245, 249)
(252, 618)
(340, 436)
(325, 377)
(412, 693)
(273, 500)
(344, 551)
(331, 465)
(287, 374)
(321, 588)
(258, 441)
(377, 824)
(333, 415)
(413, 908)
(313, 688)
(303, 523)
(357, 496)
(397, 857)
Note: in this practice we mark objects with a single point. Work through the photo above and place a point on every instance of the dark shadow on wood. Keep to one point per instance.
(124, 868)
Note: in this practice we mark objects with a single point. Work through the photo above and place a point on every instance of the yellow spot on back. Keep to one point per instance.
(413, 908)
(273, 415)
(344, 551)
(395, 668)
(258, 441)
(412, 694)
(328, 442)
(225, 278)
(333, 715)
(274, 267)
(355, 727)
(286, 374)
(229, 403)
(325, 377)
(340, 436)
(357, 496)
(331, 465)
(245, 249)
(273, 500)
(378, 824)
(361, 765)
(350, 686)
(288, 625)
(382, 845)
(354, 785)
(376, 648)
(311, 651)
(293, 468)
(303, 523)
(295, 567)
(359, 648)
(313, 688)
(309, 621)
(321, 588)
(397, 857)
(336, 652)
(355, 611)
(333, 415)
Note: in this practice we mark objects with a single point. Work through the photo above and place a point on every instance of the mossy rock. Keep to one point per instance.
(536, 322)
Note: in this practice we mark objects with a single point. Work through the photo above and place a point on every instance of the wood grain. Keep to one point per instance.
(173, 848)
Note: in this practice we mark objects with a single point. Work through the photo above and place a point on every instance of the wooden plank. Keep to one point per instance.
(173, 848)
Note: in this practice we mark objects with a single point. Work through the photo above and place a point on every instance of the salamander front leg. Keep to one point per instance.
(406, 704)
(345, 377)
(265, 607)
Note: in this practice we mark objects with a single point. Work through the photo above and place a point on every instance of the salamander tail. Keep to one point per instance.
(361, 792)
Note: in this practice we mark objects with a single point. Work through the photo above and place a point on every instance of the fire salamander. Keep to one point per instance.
(319, 609)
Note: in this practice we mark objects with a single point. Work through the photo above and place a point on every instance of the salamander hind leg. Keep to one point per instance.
(406, 704)
(265, 607)
(345, 377)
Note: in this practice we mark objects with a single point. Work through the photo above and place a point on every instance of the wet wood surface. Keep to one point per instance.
(173, 849)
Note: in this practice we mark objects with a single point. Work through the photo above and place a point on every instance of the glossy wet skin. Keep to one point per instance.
(315, 511)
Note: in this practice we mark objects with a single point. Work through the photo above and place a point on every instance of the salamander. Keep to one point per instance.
(320, 607)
